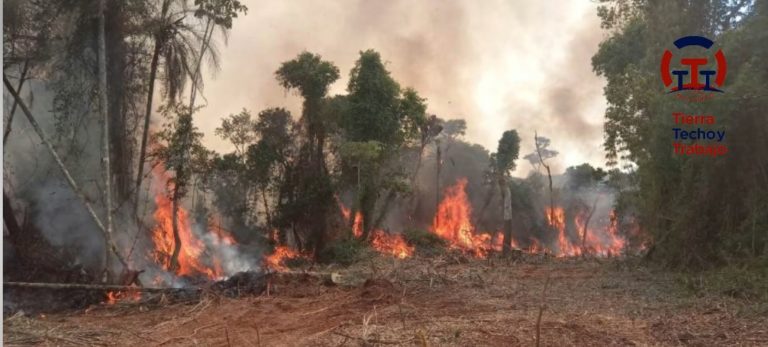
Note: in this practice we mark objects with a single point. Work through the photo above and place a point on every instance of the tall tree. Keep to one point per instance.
(174, 41)
(381, 119)
(216, 14)
(503, 162)
(310, 194)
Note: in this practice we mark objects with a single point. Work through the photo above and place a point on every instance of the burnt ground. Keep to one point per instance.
(444, 301)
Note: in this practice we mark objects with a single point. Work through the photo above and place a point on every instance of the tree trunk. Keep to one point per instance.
(586, 228)
(174, 265)
(549, 175)
(71, 181)
(413, 201)
(105, 149)
(437, 179)
(267, 215)
(179, 185)
(147, 115)
(505, 191)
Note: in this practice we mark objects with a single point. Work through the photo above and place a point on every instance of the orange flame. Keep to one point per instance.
(357, 225)
(193, 252)
(115, 296)
(452, 222)
(276, 260)
(392, 244)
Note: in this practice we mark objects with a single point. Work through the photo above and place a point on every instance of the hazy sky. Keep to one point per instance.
(499, 64)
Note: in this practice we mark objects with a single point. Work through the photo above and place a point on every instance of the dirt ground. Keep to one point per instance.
(444, 301)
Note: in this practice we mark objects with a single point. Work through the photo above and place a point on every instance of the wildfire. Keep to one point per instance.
(195, 258)
(383, 242)
(597, 241)
(114, 296)
(452, 222)
(276, 260)
(357, 225)
(393, 245)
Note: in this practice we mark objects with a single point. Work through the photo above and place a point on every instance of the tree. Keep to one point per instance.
(378, 121)
(583, 176)
(217, 13)
(309, 195)
(671, 194)
(503, 162)
(239, 129)
(174, 41)
(267, 159)
(179, 137)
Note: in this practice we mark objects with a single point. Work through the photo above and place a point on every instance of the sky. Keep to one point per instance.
(498, 64)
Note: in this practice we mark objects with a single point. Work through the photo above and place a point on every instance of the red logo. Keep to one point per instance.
(697, 78)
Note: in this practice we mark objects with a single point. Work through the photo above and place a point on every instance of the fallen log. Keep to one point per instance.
(104, 287)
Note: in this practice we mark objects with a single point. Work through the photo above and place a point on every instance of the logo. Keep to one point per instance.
(697, 74)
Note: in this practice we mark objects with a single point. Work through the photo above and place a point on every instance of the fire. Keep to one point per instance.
(276, 260)
(357, 225)
(383, 242)
(196, 258)
(603, 242)
(452, 222)
(114, 296)
(556, 220)
(393, 245)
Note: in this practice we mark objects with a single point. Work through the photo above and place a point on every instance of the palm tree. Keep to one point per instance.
(216, 14)
(175, 42)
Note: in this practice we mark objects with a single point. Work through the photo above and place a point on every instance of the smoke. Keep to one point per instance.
(32, 176)
(497, 64)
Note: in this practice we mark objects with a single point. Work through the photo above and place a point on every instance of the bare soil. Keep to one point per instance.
(443, 301)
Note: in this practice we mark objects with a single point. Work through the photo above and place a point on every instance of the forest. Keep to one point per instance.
(367, 219)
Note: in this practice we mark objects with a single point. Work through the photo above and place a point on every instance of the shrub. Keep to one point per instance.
(345, 251)
(425, 242)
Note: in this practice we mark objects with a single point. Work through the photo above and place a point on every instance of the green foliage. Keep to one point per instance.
(177, 140)
(345, 251)
(222, 12)
(700, 211)
(425, 242)
(309, 74)
(361, 152)
(583, 176)
(507, 152)
(374, 105)
(748, 282)
(239, 129)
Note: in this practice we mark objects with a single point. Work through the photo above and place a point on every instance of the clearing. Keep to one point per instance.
(442, 301)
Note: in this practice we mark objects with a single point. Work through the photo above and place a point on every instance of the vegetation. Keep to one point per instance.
(700, 212)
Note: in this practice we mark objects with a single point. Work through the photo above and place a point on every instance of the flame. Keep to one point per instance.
(114, 296)
(604, 242)
(195, 258)
(392, 244)
(357, 225)
(556, 220)
(452, 222)
(276, 260)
